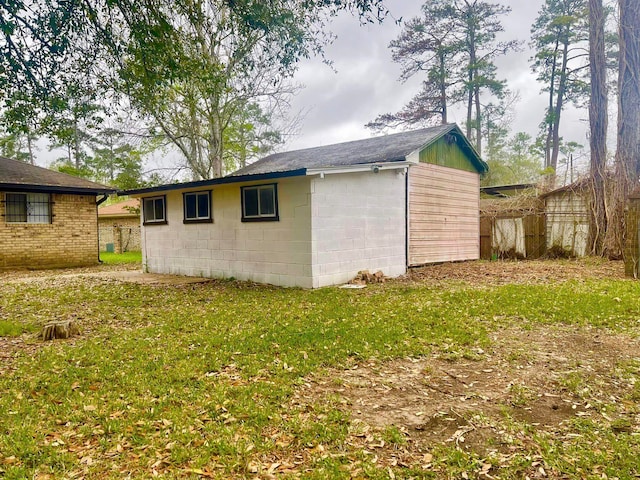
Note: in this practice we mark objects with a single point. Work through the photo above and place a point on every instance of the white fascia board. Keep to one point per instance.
(369, 167)
(414, 157)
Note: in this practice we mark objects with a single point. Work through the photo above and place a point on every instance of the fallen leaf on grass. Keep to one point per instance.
(198, 471)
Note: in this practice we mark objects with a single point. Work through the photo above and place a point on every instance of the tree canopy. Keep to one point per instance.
(454, 45)
(191, 67)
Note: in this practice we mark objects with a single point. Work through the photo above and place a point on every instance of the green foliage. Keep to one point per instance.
(192, 68)
(454, 45)
(515, 161)
(559, 31)
(12, 146)
(64, 166)
(429, 46)
(560, 37)
(249, 136)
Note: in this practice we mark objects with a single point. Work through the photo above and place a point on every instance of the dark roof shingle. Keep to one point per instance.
(382, 149)
(15, 174)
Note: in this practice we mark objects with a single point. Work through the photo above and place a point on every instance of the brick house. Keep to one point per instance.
(119, 224)
(317, 216)
(47, 219)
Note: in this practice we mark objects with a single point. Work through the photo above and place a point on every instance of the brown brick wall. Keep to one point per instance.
(70, 240)
(127, 227)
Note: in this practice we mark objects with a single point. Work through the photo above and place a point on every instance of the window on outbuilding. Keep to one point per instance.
(260, 203)
(197, 207)
(28, 208)
(154, 210)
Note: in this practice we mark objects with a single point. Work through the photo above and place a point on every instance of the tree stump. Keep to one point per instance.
(60, 330)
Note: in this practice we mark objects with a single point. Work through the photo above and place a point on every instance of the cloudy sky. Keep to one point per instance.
(339, 104)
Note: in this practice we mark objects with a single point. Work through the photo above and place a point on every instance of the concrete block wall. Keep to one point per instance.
(358, 224)
(71, 239)
(128, 228)
(277, 252)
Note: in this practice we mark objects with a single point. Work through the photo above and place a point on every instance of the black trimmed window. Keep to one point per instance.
(260, 203)
(197, 207)
(154, 210)
(27, 208)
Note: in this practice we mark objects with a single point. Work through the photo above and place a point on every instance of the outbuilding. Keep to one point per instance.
(47, 218)
(318, 216)
(567, 219)
(119, 226)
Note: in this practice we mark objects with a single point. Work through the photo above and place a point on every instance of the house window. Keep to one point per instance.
(154, 210)
(28, 208)
(197, 207)
(259, 203)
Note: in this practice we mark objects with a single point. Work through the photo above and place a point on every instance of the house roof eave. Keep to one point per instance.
(214, 181)
(22, 187)
(365, 167)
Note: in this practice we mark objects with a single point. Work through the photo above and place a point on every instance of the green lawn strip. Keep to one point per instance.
(110, 258)
(12, 328)
(175, 379)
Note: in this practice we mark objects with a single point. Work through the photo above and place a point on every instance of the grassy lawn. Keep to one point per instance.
(221, 380)
(109, 258)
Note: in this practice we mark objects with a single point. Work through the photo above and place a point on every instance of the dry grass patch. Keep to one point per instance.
(494, 406)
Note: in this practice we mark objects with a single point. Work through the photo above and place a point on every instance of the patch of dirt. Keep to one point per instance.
(54, 274)
(514, 271)
(543, 378)
(122, 273)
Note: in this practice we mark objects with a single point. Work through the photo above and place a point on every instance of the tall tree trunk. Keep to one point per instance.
(443, 89)
(598, 127)
(478, 119)
(30, 149)
(469, 107)
(549, 119)
(76, 143)
(471, 78)
(628, 145)
(557, 111)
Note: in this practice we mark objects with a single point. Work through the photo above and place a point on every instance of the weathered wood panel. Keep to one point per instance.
(448, 152)
(512, 236)
(535, 235)
(632, 241)
(486, 226)
(443, 214)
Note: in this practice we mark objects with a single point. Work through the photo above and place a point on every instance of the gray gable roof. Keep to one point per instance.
(382, 149)
(375, 150)
(17, 175)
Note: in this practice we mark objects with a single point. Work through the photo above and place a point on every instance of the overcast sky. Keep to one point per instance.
(339, 104)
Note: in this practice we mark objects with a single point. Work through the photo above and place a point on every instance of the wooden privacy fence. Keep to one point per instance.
(632, 244)
(512, 227)
(512, 236)
(554, 224)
